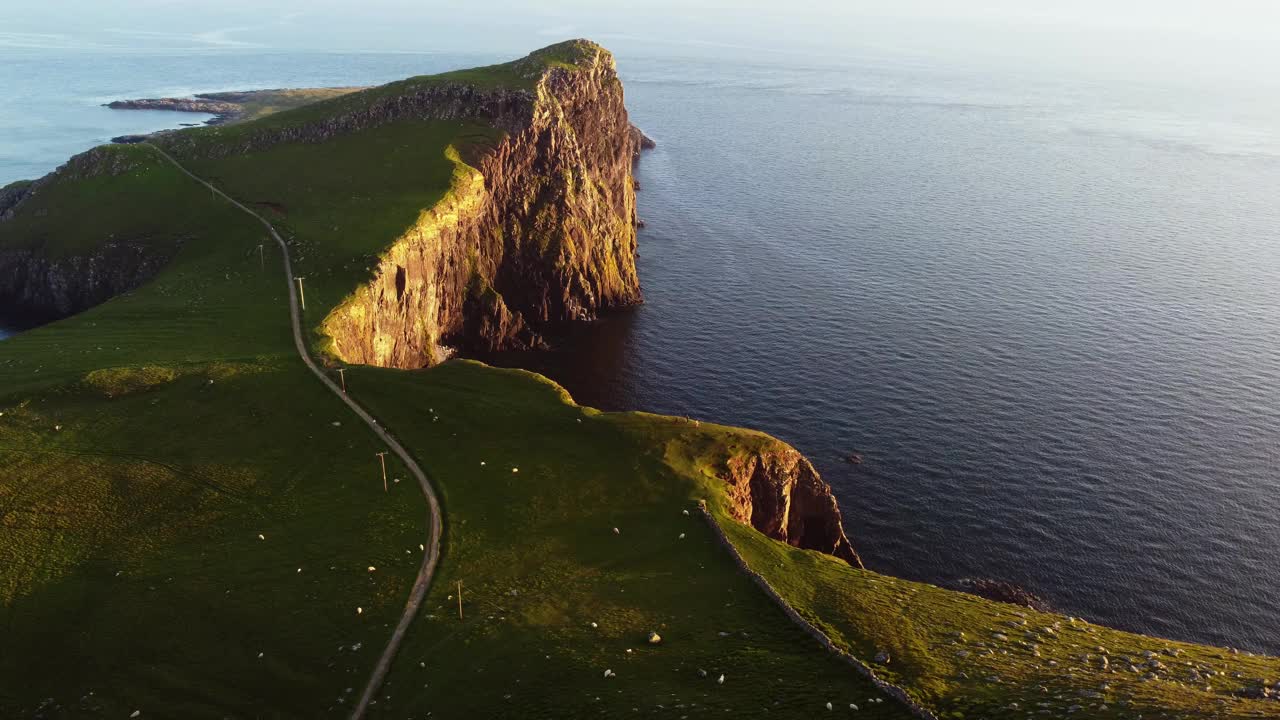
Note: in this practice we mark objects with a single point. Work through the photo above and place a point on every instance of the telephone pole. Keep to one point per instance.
(459, 599)
(262, 258)
(342, 376)
(301, 295)
(383, 457)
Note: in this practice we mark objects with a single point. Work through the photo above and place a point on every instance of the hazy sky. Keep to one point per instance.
(1230, 37)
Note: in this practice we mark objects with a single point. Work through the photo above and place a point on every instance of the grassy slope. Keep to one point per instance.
(970, 657)
(261, 103)
(74, 215)
(341, 203)
(121, 456)
(167, 480)
(539, 562)
(636, 472)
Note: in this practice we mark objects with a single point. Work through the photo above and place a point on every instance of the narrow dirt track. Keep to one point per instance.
(432, 555)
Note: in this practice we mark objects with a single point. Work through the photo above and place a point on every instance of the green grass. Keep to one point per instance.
(342, 203)
(944, 648)
(131, 566)
(261, 103)
(545, 532)
(218, 299)
(539, 562)
(147, 203)
(519, 75)
(145, 444)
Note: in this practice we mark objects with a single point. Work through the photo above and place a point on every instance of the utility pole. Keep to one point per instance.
(459, 599)
(342, 375)
(262, 258)
(383, 457)
(301, 295)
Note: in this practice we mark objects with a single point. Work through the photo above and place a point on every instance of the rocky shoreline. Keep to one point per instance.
(222, 110)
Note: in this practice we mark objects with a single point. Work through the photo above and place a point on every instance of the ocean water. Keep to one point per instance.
(1044, 306)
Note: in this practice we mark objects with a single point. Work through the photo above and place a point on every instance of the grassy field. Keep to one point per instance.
(341, 203)
(539, 564)
(146, 202)
(145, 446)
(261, 103)
(972, 658)
(518, 75)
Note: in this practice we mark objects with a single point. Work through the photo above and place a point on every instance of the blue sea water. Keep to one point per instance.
(1044, 306)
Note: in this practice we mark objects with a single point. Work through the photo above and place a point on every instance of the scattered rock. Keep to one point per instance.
(1004, 592)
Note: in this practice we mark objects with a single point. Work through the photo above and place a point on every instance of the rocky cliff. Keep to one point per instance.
(778, 492)
(40, 282)
(12, 195)
(538, 230)
(40, 289)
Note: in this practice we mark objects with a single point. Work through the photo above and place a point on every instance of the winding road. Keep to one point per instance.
(432, 554)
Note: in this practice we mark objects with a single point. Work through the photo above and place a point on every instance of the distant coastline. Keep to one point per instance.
(221, 111)
(228, 107)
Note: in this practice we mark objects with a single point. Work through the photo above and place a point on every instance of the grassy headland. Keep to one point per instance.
(188, 521)
(146, 445)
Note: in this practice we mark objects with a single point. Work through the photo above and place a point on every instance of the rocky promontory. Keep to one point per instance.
(221, 110)
(539, 229)
(776, 490)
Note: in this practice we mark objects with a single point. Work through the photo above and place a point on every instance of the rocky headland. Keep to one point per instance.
(221, 110)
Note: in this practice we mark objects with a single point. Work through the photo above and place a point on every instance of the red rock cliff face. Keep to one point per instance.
(538, 230)
(778, 492)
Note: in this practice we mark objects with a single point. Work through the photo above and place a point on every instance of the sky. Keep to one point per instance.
(1218, 37)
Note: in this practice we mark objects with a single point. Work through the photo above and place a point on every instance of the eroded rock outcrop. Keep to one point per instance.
(41, 289)
(777, 491)
(12, 195)
(40, 285)
(539, 229)
(221, 109)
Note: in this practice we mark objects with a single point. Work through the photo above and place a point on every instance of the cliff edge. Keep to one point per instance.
(539, 228)
(777, 491)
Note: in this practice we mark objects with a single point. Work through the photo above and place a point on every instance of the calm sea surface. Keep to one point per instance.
(1045, 308)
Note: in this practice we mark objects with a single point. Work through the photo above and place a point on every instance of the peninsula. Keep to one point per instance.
(247, 472)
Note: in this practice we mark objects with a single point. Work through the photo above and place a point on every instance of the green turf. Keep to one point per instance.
(145, 444)
(144, 202)
(969, 657)
(217, 300)
(341, 203)
(517, 75)
(539, 562)
(545, 532)
(261, 103)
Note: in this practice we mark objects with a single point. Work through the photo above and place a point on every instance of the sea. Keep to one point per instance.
(1042, 305)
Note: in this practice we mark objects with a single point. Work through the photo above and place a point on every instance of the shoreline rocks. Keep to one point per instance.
(1004, 592)
(777, 491)
(222, 110)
